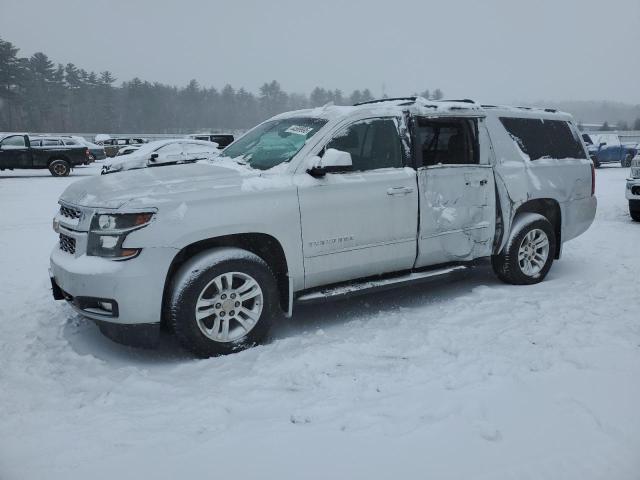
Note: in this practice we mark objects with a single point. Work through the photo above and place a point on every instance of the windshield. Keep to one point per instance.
(274, 142)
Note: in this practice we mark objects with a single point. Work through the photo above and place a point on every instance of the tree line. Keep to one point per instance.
(38, 95)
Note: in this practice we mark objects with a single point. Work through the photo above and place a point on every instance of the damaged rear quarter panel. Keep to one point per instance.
(519, 180)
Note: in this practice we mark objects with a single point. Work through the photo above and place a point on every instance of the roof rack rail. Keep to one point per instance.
(380, 100)
(463, 100)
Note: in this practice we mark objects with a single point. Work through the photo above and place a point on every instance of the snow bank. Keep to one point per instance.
(473, 379)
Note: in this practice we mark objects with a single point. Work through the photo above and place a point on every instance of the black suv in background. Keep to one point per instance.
(17, 151)
(222, 139)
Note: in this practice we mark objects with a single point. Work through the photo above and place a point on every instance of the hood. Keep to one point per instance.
(156, 185)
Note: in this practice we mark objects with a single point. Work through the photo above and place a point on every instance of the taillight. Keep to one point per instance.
(86, 152)
(593, 179)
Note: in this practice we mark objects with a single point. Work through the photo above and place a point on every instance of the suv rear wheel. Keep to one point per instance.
(59, 168)
(223, 300)
(528, 256)
(635, 214)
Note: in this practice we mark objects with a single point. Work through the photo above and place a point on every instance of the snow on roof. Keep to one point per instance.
(422, 106)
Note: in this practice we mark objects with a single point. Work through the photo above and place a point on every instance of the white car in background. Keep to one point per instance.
(633, 189)
(163, 152)
(127, 149)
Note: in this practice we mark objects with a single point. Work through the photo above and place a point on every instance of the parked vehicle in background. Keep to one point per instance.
(96, 152)
(112, 145)
(162, 152)
(605, 148)
(633, 189)
(126, 150)
(318, 204)
(17, 152)
(222, 139)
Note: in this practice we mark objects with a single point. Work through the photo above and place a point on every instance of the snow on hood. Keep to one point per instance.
(155, 185)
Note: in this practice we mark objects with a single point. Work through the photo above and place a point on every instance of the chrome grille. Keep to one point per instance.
(67, 244)
(69, 212)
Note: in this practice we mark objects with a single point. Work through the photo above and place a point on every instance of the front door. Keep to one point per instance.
(457, 190)
(14, 152)
(364, 222)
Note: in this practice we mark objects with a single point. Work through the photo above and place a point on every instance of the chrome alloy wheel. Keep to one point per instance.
(533, 252)
(229, 307)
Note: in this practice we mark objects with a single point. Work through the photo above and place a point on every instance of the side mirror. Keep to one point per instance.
(333, 161)
(154, 157)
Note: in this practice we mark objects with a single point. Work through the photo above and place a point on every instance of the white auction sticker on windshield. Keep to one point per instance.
(298, 130)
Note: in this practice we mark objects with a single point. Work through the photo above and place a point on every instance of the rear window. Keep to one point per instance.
(540, 138)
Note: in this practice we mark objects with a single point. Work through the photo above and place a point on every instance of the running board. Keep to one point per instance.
(345, 290)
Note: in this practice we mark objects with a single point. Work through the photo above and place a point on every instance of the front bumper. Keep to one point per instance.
(113, 292)
(633, 189)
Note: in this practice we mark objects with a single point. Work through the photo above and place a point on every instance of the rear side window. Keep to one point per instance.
(450, 141)
(540, 138)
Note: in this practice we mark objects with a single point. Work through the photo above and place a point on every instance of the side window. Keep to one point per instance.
(170, 149)
(197, 149)
(540, 138)
(14, 141)
(49, 142)
(448, 141)
(373, 144)
(122, 141)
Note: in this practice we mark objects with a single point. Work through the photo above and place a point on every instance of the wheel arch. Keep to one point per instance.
(59, 157)
(548, 208)
(263, 245)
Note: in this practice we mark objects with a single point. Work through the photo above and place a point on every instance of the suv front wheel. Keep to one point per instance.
(527, 257)
(223, 300)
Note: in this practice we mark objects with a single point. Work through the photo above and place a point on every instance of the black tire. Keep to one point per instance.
(194, 278)
(635, 215)
(60, 168)
(506, 264)
(626, 161)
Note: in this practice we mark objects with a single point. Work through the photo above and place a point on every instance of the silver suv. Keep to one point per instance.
(318, 204)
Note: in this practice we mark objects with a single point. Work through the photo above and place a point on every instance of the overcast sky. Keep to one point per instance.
(491, 50)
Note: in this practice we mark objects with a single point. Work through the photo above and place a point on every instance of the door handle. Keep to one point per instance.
(399, 190)
(480, 183)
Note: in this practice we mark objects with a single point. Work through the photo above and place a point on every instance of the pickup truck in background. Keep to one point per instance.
(17, 152)
(96, 152)
(318, 204)
(607, 148)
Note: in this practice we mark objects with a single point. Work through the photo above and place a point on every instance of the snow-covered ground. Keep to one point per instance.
(466, 380)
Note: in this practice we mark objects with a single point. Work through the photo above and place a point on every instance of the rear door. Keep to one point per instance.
(14, 152)
(363, 222)
(457, 191)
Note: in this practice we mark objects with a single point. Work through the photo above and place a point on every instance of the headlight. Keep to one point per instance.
(108, 232)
